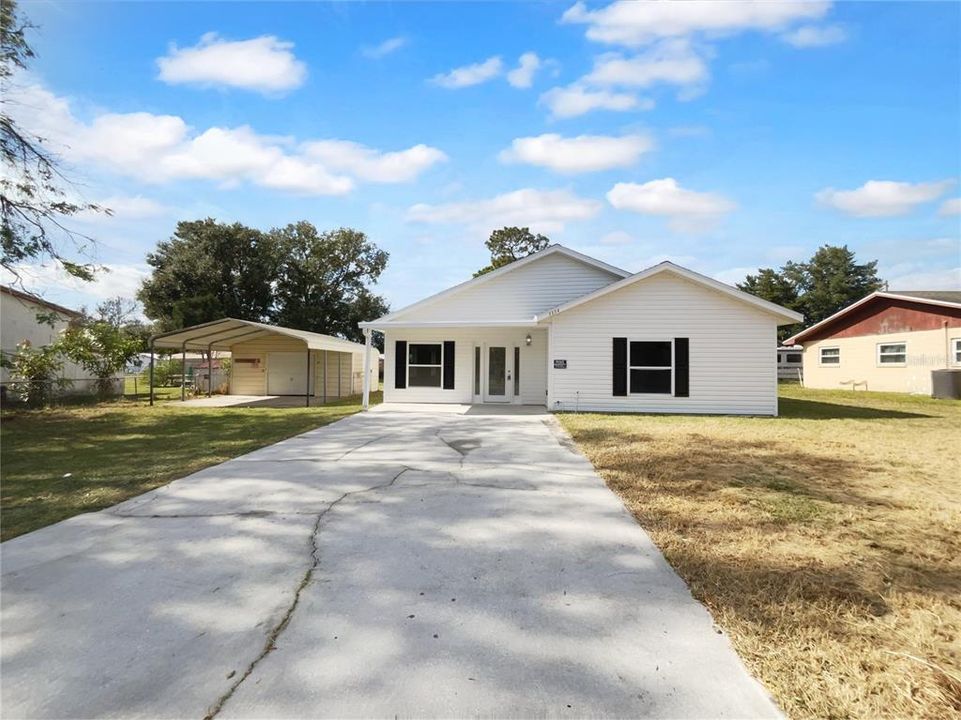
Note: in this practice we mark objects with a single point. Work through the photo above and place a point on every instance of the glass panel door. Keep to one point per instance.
(497, 373)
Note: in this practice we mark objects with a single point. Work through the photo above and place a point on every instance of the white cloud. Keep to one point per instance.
(523, 75)
(687, 210)
(918, 279)
(808, 36)
(54, 283)
(616, 238)
(951, 206)
(574, 100)
(391, 45)
(584, 153)
(626, 22)
(373, 165)
(541, 210)
(125, 208)
(264, 64)
(883, 198)
(163, 148)
(470, 74)
(671, 62)
(732, 276)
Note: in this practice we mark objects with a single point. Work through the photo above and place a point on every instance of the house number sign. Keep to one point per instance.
(560, 364)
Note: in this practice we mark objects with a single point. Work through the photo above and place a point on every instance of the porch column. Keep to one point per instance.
(210, 370)
(151, 371)
(307, 394)
(183, 371)
(367, 334)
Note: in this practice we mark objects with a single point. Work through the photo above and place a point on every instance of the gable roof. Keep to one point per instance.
(37, 300)
(788, 316)
(554, 249)
(224, 333)
(935, 298)
(946, 296)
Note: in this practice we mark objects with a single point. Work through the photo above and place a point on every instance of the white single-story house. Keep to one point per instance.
(19, 323)
(270, 360)
(570, 332)
(889, 341)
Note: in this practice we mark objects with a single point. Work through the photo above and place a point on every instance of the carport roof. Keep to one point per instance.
(222, 334)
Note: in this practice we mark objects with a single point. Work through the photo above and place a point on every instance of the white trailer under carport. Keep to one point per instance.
(274, 360)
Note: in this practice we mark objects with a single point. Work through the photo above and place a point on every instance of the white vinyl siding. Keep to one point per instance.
(533, 381)
(518, 295)
(733, 369)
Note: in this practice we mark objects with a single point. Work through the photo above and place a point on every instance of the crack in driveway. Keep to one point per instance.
(279, 628)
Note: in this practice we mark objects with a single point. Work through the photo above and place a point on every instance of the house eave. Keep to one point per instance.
(391, 324)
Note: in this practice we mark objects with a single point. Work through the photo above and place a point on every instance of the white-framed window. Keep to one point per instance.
(425, 364)
(956, 351)
(892, 354)
(650, 367)
(829, 356)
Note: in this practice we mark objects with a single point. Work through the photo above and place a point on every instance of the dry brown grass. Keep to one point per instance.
(826, 542)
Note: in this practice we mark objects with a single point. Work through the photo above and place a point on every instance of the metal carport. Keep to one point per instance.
(225, 333)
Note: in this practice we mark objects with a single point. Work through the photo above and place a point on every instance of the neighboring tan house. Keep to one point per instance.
(888, 341)
(18, 322)
(569, 332)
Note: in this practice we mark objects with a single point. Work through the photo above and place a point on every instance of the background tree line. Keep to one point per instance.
(293, 276)
(830, 281)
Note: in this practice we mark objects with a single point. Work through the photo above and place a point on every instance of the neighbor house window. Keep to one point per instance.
(424, 365)
(892, 353)
(830, 356)
(650, 367)
(794, 357)
(956, 351)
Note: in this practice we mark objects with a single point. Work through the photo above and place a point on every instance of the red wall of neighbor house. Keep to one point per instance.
(883, 316)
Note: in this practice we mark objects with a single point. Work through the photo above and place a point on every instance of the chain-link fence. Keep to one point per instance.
(130, 387)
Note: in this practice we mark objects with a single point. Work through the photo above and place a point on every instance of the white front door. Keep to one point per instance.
(287, 373)
(498, 375)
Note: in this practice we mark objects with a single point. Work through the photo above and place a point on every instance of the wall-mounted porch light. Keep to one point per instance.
(528, 339)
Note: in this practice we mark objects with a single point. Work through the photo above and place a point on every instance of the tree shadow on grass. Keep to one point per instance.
(812, 410)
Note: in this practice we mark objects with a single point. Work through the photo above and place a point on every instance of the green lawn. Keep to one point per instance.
(60, 462)
(826, 542)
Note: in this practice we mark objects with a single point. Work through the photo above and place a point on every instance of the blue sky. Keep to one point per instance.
(726, 137)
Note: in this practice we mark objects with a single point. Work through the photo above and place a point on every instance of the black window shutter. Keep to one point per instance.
(448, 364)
(682, 368)
(400, 364)
(620, 366)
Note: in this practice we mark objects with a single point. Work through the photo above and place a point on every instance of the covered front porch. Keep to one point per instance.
(465, 364)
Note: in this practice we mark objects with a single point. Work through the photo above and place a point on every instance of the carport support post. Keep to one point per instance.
(307, 395)
(366, 383)
(151, 371)
(325, 377)
(183, 371)
(210, 370)
(340, 377)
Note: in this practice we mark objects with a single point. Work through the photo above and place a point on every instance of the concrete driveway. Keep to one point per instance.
(394, 564)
